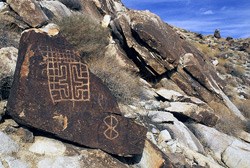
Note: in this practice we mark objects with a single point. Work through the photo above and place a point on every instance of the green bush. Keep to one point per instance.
(72, 4)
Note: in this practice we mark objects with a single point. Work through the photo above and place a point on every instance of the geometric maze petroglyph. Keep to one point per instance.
(68, 78)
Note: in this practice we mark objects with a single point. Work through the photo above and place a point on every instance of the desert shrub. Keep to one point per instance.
(84, 33)
(124, 85)
(72, 4)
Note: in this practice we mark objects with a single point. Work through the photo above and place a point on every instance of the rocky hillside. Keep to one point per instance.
(187, 93)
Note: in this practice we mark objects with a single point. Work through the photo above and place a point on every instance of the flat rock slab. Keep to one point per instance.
(55, 92)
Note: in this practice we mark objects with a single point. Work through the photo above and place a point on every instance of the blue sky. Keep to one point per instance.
(232, 17)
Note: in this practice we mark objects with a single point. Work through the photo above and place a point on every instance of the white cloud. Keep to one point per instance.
(208, 12)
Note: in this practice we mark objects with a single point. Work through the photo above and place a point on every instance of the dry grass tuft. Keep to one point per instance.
(124, 85)
(243, 106)
(228, 122)
(211, 53)
(85, 34)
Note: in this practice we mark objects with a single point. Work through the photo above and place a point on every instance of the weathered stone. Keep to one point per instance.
(169, 95)
(61, 161)
(48, 147)
(106, 20)
(30, 11)
(58, 9)
(2, 108)
(161, 117)
(164, 136)
(193, 111)
(153, 157)
(217, 33)
(184, 136)
(8, 56)
(233, 152)
(9, 146)
(15, 163)
(55, 92)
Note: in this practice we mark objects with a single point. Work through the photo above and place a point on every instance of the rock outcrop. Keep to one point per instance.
(55, 92)
(189, 87)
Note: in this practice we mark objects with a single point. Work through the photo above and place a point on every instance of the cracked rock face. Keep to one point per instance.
(55, 92)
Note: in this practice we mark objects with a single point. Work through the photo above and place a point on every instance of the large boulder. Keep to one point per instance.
(55, 92)
(233, 152)
(56, 8)
(30, 11)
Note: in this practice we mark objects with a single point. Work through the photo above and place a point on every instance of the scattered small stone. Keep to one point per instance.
(48, 147)
(15, 163)
(164, 136)
(9, 146)
(26, 135)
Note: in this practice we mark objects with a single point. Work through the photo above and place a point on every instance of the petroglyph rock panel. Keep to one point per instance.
(54, 91)
(68, 79)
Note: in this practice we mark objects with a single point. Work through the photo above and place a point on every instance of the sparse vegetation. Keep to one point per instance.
(72, 4)
(90, 39)
(85, 34)
(243, 106)
(124, 85)
(205, 49)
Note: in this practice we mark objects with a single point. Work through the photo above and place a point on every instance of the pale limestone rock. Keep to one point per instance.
(7, 146)
(236, 155)
(182, 107)
(233, 152)
(170, 95)
(48, 147)
(60, 162)
(245, 136)
(184, 136)
(160, 116)
(3, 6)
(106, 20)
(152, 157)
(51, 29)
(164, 136)
(151, 137)
(8, 57)
(57, 8)
(200, 159)
(154, 105)
(15, 163)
